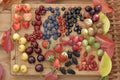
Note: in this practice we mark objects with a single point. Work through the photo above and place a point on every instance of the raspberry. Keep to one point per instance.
(85, 54)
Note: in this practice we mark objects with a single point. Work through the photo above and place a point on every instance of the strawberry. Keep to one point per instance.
(63, 56)
(16, 26)
(46, 44)
(58, 48)
(25, 24)
(17, 17)
(56, 63)
(27, 16)
(26, 7)
(18, 7)
(48, 53)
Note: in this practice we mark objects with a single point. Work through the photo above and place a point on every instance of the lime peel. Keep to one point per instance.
(105, 65)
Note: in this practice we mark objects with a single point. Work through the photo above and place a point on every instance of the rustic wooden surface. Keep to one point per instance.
(5, 23)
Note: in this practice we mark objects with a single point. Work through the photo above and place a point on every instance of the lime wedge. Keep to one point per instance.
(105, 20)
(105, 65)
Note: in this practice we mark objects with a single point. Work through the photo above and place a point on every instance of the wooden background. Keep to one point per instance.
(5, 23)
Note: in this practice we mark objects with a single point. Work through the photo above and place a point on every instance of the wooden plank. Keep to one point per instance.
(16, 54)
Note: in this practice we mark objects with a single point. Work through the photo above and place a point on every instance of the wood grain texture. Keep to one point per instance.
(5, 58)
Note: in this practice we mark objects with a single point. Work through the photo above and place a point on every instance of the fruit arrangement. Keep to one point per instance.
(67, 40)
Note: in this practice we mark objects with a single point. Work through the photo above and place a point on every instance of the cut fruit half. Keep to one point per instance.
(105, 65)
(105, 20)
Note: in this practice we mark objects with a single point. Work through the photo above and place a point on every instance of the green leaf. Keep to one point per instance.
(50, 58)
(104, 78)
(53, 68)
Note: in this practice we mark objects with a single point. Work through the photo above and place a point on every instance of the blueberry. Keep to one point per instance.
(50, 17)
(77, 12)
(53, 18)
(48, 36)
(58, 13)
(57, 8)
(51, 32)
(59, 35)
(81, 18)
(67, 33)
(44, 37)
(49, 28)
(50, 21)
(63, 8)
(49, 41)
(69, 16)
(50, 8)
(75, 21)
(92, 12)
(55, 23)
(56, 32)
(75, 61)
(79, 32)
(74, 16)
(79, 8)
(55, 37)
(69, 30)
(52, 11)
(45, 29)
(56, 27)
(52, 25)
(46, 21)
(44, 25)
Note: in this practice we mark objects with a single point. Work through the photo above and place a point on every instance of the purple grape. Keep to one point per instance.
(40, 58)
(34, 44)
(39, 68)
(98, 8)
(31, 59)
(88, 8)
(29, 50)
(38, 51)
(37, 17)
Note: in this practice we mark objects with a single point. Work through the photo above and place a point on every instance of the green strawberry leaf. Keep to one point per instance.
(50, 58)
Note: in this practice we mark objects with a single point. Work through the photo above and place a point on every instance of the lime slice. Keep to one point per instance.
(105, 20)
(105, 65)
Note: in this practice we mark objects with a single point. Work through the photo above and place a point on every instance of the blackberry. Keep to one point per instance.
(62, 70)
(70, 71)
(74, 60)
(76, 53)
(63, 8)
(68, 63)
(69, 54)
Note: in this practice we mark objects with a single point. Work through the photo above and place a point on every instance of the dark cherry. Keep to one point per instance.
(88, 8)
(37, 12)
(34, 44)
(98, 8)
(41, 7)
(40, 58)
(39, 68)
(37, 17)
(95, 18)
(39, 23)
(36, 28)
(34, 23)
(31, 59)
(29, 50)
(38, 51)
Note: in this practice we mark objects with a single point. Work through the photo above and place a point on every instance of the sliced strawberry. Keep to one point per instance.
(25, 24)
(48, 53)
(26, 7)
(106, 44)
(18, 7)
(16, 26)
(106, 8)
(17, 17)
(27, 16)
(51, 76)
(58, 48)
(46, 44)
(56, 63)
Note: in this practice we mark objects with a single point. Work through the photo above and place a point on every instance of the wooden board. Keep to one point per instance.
(16, 55)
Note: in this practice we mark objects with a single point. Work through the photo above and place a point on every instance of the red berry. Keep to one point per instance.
(91, 57)
(16, 26)
(36, 28)
(26, 7)
(95, 18)
(25, 24)
(85, 54)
